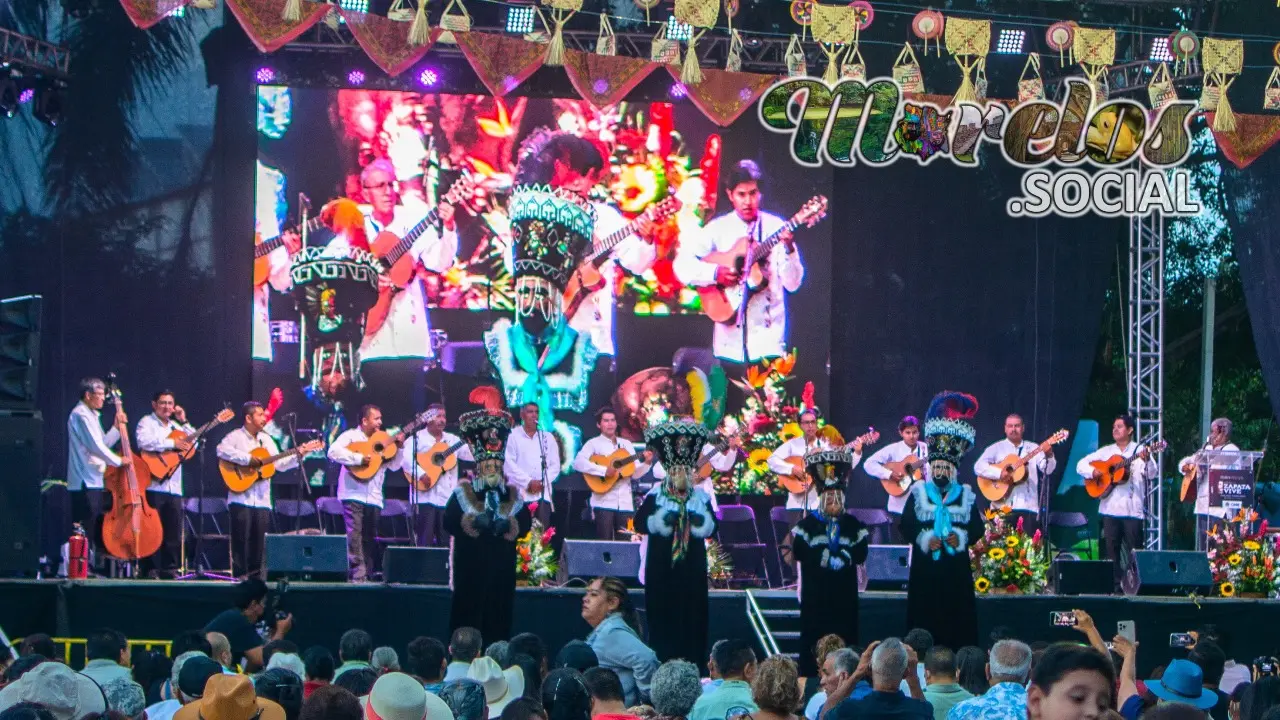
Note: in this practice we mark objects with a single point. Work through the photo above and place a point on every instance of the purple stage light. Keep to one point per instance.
(265, 75)
(677, 91)
(429, 77)
(26, 96)
(355, 77)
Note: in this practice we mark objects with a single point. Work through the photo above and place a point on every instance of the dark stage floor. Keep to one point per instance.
(394, 614)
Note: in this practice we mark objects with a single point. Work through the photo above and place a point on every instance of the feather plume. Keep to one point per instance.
(699, 392)
(274, 403)
(806, 397)
(487, 397)
(718, 388)
(952, 405)
(345, 218)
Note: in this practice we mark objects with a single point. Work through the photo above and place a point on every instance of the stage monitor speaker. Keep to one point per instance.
(415, 565)
(1173, 572)
(320, 558)
(888, 567)
(19, 352)
(21, 444)
(590, 559)
(1083, 577)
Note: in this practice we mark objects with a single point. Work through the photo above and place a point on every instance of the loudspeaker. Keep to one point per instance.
(1083, 577)
(601, 558)
(1173, 572)
(888, 567)
(415, 565)
(307, 557)
(21, 443)
(19, 352)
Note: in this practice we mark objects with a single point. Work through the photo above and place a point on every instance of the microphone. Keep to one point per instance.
(304, 201)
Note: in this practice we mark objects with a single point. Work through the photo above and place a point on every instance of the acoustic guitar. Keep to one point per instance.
(799, 481)
(721, 303)
(393, 251)
(381, 447)
(587, 279)
(719, 444)
(1114, 471)
(620, 463)
(163, 464)
(261, 251)
(909, 469)
(1189, 478)
(239, 478)
(1013, 469)
(435, 461)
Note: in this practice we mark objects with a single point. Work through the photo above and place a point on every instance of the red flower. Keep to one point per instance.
(1011, 588)
(548, 534)
(1019, 526)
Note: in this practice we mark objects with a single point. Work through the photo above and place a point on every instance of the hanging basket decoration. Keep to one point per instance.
(1184, 46)
(699, 15)
(1061, 36)
(928, 25)
(1223, 60)
(1095, 50)
(1271, 94)
(454, 22)
(835, 27)
(906, 71)
(968, 41)
(864, 13)
(1160, 90)
(560, 11)
(1031, 82)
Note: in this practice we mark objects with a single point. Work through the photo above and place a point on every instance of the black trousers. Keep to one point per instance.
(1121, 536)
(429, 526)
(1030, 520)
(169, 557)
(248, 539)
(543, 514)
(609, 522)
(87, 508)
(362, 537)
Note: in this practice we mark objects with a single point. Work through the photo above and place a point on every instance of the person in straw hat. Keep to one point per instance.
(230, 697)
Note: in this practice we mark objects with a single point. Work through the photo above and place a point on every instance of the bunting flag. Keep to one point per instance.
(145, 13)
(386, 41)
(501, 61)
(604, 80)
(722, 95)
(1252, 136)
(263, 21)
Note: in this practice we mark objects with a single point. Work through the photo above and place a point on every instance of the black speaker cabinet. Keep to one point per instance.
(416, 566)
(321, 558)
(601, 558)
(1083, 577)
(1173, 572)
(20, 447)
(19, 352)
(888, 567)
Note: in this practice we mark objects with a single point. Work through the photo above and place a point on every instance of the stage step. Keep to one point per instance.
(780, 613)
(785, 635)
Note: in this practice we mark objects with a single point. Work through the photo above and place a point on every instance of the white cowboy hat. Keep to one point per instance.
(62, 691)
(500, 686)
(395, 696)
(437, 709)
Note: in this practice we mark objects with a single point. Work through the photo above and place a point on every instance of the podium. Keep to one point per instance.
(1230, 475)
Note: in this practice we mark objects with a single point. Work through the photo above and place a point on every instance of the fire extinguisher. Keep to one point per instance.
(78, 554)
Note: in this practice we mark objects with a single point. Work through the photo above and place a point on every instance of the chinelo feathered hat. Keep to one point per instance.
(830, 469)
(677, 443)
(486, 430)
(947, 426)
(551, 228)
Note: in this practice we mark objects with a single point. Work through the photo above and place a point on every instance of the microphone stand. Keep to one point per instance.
(200, 573)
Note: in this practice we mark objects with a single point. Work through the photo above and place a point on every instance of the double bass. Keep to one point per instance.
(132, 529)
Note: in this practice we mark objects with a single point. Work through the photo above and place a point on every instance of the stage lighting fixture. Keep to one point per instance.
(48, 105)
(1160, 50)
(355, 77)
(26, 96)
(265, 75)
(360, 6)
(180, 11)
(677, 91)
(428, 78)
(678, 31)
(520, 19)
(10, 95)
(1011, 41)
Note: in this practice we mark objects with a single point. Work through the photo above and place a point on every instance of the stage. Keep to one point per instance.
(395, 614)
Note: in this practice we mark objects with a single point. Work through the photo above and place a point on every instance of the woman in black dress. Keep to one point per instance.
(829, 545)
(676, 519)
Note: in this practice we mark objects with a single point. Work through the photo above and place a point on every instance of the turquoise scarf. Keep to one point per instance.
(560, 340)
(941, 513)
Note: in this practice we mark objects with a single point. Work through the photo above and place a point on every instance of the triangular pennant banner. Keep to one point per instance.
(722, 95)
(386, 41)
(265, 25)
(501, 61)
(145, 13)
(604, 80)
(1254, 135)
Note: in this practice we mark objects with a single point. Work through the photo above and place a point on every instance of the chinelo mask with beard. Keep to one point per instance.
(489, 474)
(537, 304)
(942, 472)
(678, 479)
(832, 503)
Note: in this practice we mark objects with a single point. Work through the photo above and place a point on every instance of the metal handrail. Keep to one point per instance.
(760, 626)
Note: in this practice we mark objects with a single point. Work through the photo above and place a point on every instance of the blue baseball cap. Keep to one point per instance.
(1183, 682)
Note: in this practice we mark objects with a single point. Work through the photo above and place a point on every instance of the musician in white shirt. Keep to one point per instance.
(595, 315)
(532, 462)
(910, 445)
(611, 509)
(89, 453)
(1219, 440)
(720, 462)
(766, 316)
(429, 504)
(1124, 506)
(166, 497)
(250, 510)
(1024, 497)
(797, 447)
(361, 500)
(270, 181)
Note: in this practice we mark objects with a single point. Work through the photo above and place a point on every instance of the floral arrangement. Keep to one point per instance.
(719, 564)
(535, 560)
(1243, 562)
(1007, 559)
(769, 418)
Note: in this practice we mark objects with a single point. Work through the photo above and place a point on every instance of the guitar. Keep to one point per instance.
(910, 469)
(1189, 478)
(721, 303)
(621, 463)
(1114, 471)
(262, 264)
(435, 462)
(798, 481)
(393, 251)
(381, 447)
(239, 478)
(587, 279)
(163, 464)
(1013, 469)
(719, 445)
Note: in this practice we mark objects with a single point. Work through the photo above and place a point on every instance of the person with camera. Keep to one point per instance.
(238, 624)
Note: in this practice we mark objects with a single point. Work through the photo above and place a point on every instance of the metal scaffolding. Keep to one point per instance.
(1145, 366)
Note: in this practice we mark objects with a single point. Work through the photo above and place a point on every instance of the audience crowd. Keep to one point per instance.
(232, 671)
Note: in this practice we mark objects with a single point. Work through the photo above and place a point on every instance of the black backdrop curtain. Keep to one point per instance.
(935, 287)
(1253, 213)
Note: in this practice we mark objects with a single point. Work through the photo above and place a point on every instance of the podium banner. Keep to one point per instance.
(1231, 489)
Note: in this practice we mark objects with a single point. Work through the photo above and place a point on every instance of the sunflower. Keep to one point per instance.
(758, 460)
(1012, 541)
(790, 431)
(981, 584)
(1252, 545)
(1234, 559)
(1227, 589)
(996, 553)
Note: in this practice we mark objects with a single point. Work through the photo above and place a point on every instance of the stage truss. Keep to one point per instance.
(1145, 361)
